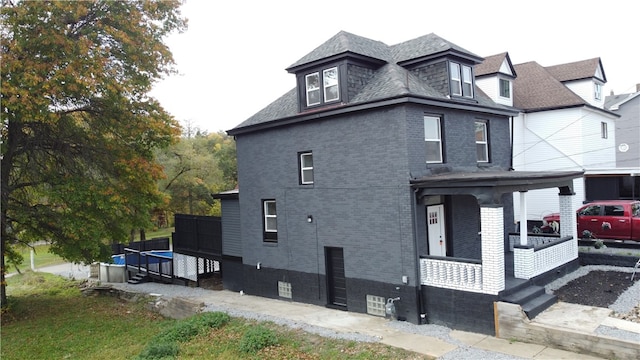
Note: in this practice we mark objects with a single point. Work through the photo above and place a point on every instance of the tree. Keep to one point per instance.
(78, 129)
(196, 167)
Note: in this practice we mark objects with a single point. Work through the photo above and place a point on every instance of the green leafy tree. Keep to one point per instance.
(79, 131)
(197, 166)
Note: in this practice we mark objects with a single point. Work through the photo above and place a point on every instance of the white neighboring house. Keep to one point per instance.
(562, 124)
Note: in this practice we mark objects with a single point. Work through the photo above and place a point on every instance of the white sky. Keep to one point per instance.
(232, 57)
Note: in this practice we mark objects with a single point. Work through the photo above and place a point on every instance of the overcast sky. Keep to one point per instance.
(232, 59)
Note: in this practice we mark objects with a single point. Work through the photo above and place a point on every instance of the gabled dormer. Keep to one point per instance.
(335, 71)
(495, 77)
(586, 78)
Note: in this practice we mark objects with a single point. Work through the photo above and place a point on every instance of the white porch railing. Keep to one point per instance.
(531, 261)
(451, 274)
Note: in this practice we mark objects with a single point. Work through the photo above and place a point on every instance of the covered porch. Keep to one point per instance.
(501, 265)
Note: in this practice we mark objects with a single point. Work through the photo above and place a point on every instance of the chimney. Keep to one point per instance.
(637, 87)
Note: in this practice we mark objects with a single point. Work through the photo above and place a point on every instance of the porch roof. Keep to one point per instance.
(488, 186)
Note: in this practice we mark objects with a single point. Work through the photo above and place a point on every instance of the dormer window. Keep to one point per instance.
(322, 89)
(597, 91)
(505, 89)
(461, 80)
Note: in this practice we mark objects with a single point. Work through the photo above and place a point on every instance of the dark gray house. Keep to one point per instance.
(384, 177)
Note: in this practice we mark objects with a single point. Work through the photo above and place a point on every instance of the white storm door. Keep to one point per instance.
(435, 230)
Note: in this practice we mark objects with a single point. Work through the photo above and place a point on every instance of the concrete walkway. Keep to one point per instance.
(453, 344)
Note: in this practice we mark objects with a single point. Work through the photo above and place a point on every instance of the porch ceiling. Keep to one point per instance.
(488, 186)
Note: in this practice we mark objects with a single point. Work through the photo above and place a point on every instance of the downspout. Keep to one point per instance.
(423, 314)
(511, 144)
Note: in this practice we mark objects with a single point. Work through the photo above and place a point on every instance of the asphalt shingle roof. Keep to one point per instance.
(490, 65)
(536, 88)
(389, 81)
(578, 70)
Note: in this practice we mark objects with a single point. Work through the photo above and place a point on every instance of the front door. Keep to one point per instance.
(336, 279)
(435, 230)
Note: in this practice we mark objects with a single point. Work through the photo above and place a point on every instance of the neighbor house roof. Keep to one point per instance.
(492, 65)
(390, 80)
(613, 102)
(577, 70)
(536, 89)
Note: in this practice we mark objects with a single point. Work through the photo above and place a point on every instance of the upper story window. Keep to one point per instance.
(597, 91)
(604, 130)
(270, 220)
(322, 89)
(482, 143)
(505, 88)
(306, 167)
(461, 80)
(433, 138)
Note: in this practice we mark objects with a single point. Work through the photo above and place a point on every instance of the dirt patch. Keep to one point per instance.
(600, 289)
(597, 288)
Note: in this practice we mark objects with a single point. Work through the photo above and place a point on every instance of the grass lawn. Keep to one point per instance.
(43, 258)
(49, 318)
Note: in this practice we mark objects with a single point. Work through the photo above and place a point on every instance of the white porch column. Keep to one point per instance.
(492, 227)
(567, 216)
(568, 226)
(523, 218)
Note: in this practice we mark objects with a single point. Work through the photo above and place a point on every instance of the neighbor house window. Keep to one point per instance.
(597, 91)
(482, 145)
(603, 129)
(433, 139)
(461, 80)
(505, 89)
(270, 221)
(312, 82)
(322, 88)
(306, 168)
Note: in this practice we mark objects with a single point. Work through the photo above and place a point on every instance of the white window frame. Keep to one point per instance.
(504, 84)
(303, 168)
(329, 83)
(483, 142)
(270, 234)
(310, 89)
(467, 79)
(604, 131)
(456, 81)
(429, 139)
(597, 91)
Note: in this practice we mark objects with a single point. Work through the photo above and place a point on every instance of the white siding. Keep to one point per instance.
(586, 90)
(546, 201)
(491, 87)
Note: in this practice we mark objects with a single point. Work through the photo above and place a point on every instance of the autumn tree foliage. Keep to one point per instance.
(79, 131)
(196, 167)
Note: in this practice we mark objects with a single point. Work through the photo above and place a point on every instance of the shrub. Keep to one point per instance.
(257, 338)
(159, 351)
(188, 328)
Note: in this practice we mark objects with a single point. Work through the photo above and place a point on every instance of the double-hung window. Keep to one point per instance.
(330, 82)
(312, 82)
(461, 78)
(482, 143)
(306, 167)
(505, 89)
(597, 89)
(270, 220)
(322, 87)
(433, 138)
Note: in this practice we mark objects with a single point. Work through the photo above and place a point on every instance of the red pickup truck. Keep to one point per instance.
(606, 219)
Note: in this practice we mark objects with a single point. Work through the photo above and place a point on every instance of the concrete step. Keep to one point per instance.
(536, 305)
(524, 294)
